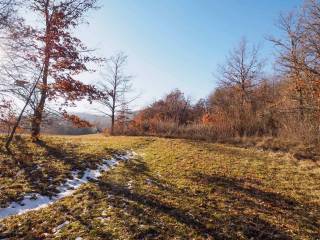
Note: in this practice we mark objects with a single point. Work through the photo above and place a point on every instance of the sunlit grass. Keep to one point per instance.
(176, 189)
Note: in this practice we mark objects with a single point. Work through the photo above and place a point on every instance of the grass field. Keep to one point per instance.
(174, 189)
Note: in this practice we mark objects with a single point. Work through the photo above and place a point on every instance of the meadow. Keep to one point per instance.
(172, 189)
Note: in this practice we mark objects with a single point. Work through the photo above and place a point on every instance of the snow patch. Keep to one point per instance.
(37, 201)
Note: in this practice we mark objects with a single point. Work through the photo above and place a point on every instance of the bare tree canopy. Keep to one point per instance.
(7, 12)
(116, 85)
(242, 69)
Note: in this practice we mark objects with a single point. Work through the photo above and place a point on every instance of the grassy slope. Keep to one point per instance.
(42, 167)
(177, 189)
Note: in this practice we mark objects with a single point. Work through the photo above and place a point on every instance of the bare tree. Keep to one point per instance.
(299, 56)
(242, 69)
(291, 56)
(241, 74)
(116, 85)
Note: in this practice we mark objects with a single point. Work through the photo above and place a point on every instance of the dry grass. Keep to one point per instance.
(41, 167)
(300, 147)
(183, 189)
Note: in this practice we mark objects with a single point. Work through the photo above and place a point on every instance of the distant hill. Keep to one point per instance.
(97, 120)
(58, 125)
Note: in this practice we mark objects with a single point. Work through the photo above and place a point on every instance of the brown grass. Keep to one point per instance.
(184, 189)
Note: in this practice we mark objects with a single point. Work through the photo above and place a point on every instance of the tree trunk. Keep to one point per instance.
(37, 118)
(112, 123)
(114, 99)
(38, 112)
(113, 110)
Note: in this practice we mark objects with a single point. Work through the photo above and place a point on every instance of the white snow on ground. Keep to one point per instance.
(36, 201)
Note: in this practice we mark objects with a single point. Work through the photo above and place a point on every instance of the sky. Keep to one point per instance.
(179, 43)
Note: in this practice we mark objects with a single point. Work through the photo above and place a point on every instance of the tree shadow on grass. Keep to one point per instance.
(71, 157)
(147, 206)
(22, 163)
(242, 195)
(200, 216)
(86, 222)
(44, 166)
(181, 216)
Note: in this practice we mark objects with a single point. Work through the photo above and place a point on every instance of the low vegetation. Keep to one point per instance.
(174, 189)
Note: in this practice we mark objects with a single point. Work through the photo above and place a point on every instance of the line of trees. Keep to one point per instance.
(248, 102)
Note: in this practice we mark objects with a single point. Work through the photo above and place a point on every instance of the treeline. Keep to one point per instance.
(248, 102)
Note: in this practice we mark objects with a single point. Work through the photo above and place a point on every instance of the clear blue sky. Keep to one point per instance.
(178, 43)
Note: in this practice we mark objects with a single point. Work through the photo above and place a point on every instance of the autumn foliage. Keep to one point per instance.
(76, 120)
(45, 58)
